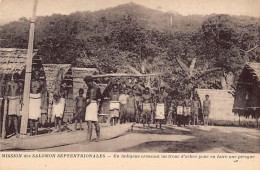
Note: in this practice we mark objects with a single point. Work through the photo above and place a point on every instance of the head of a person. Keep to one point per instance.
(64, 85)
(56, 97)
(207, 96)
(162, 89)
(81, 91)
(36, 75)
(125, 91)
(115, 87)
(16, 77)
(89, 81)
(131, 93)
(147, 90)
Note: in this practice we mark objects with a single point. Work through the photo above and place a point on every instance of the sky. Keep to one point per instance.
(14, 9)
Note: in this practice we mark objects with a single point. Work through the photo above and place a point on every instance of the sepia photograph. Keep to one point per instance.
(129, 76)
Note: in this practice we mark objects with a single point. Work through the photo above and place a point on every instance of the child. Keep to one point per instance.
(80, 107)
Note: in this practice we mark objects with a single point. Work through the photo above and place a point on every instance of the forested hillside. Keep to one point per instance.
(132, 34)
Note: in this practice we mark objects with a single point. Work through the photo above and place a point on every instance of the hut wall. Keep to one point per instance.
(221, 104)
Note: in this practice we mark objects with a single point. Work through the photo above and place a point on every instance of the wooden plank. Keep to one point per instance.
(4, 120)
(25, 113)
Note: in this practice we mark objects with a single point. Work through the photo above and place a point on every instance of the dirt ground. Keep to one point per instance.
(173, 139)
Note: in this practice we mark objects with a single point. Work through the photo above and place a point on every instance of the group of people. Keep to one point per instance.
(128, 102)
(11, 93)
(188, 110)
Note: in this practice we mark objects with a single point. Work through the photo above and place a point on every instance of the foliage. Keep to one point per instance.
(130, 34)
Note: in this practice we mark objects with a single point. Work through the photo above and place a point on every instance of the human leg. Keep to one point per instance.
(31, 127)
(89, 131)
(36, 127)
(80, 124)
(16, 125)
(97, 130)
(76, 121)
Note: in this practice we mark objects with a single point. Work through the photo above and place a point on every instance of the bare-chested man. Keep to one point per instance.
(160, 107)
(114, 105)
(131, 106)
(180, 116)
(206, 110)
(147, 107)
(13, 93)
(37, 101)
(187, 110)
(93, 98)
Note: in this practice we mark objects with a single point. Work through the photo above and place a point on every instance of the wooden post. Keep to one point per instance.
(4, 120)
(25, 110)
(256, 117)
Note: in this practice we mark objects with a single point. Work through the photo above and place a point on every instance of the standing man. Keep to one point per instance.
(131, 106)
(206, 110)
(114, 105)
(180, 105)
(160, 107)
(195, 110)
(37, 101)
(13, 93)
(147, 107)
(124, 116)
(187, 110)
(93, 98)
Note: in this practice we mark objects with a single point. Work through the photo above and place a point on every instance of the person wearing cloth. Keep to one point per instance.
(206, 110)
(187, 110)
(131, 106)
(58, 106)
(147, 107)
(80, 108)
(195, 110)
(160, 107)
(180, 105)
(93, 98)
(114, 105)
(14, 93)
(124, 117)
(37, 101)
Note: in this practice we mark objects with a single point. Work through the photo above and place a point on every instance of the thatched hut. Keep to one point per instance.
(247, 96)
(51, 72)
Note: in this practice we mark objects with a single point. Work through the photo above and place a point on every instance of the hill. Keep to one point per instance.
(132, 34)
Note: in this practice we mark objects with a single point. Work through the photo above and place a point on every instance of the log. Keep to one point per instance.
(124, 75)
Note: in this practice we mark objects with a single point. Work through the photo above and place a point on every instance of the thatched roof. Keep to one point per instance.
(13, 60)
(51, 71)
(254, 68)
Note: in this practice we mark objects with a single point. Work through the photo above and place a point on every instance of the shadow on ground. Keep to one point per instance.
(203, 141)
